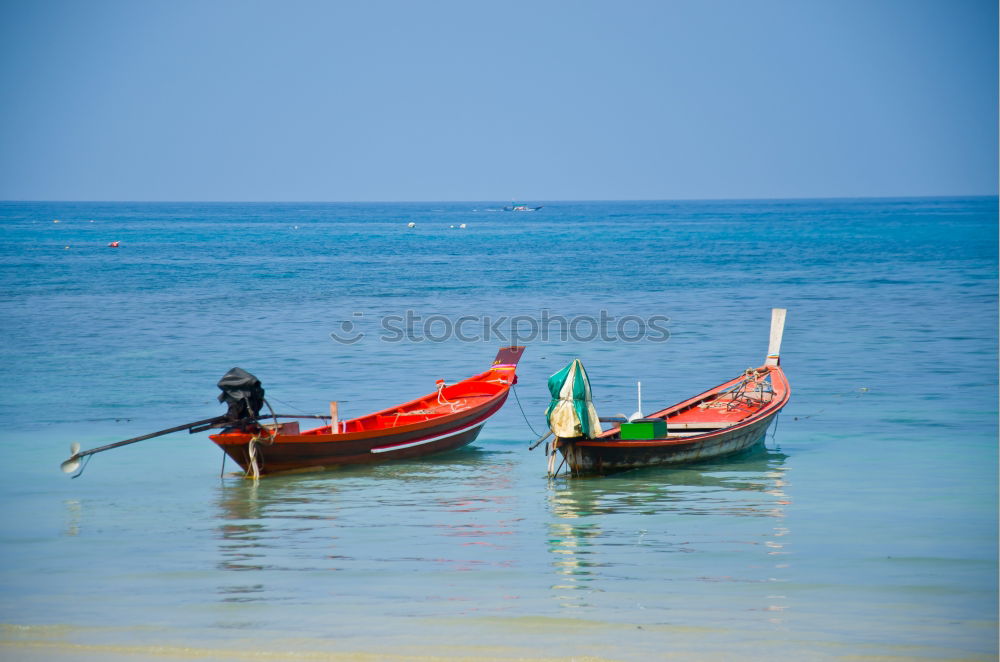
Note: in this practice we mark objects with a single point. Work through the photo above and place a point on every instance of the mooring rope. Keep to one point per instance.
(518, 400)
(252, 448)
(774, 430)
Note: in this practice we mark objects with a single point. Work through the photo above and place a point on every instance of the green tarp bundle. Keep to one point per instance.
(571, 412)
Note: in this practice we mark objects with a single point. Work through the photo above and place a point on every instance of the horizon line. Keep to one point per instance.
(546, 201)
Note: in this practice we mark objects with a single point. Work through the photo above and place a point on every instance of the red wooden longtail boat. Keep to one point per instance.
(731, 417)
(444, 420)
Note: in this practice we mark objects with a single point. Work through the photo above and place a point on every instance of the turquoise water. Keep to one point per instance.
(866, 525)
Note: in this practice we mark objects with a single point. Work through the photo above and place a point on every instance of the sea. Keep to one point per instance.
(863, 527)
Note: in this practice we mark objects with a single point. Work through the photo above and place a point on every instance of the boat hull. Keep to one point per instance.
(299, 452)
(610, 457)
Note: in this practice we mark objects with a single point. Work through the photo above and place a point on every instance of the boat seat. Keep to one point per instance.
(700, 425)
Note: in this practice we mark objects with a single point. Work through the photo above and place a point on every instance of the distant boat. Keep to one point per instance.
(729, 418)
(514, 207)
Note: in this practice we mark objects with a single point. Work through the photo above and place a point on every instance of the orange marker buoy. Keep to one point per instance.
(113, 244)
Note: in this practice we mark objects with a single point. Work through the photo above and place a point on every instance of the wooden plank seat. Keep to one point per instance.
(699, 425)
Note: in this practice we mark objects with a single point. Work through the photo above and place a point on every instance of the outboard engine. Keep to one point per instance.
(243, 394)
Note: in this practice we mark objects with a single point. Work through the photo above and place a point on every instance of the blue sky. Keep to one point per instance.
(466, 100)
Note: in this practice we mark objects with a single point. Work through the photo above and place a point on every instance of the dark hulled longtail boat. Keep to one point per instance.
(728, 418)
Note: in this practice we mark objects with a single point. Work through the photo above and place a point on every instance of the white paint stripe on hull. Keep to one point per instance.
(386, 449)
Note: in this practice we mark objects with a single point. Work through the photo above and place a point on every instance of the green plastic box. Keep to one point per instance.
(644, 428)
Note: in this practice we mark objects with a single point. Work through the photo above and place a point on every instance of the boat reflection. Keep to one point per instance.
(601, 527)
(73, 510)
(449, 513)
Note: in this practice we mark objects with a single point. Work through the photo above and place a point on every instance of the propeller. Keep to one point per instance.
(73, 463)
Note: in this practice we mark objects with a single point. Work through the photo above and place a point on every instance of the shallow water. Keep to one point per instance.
(864, 526)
